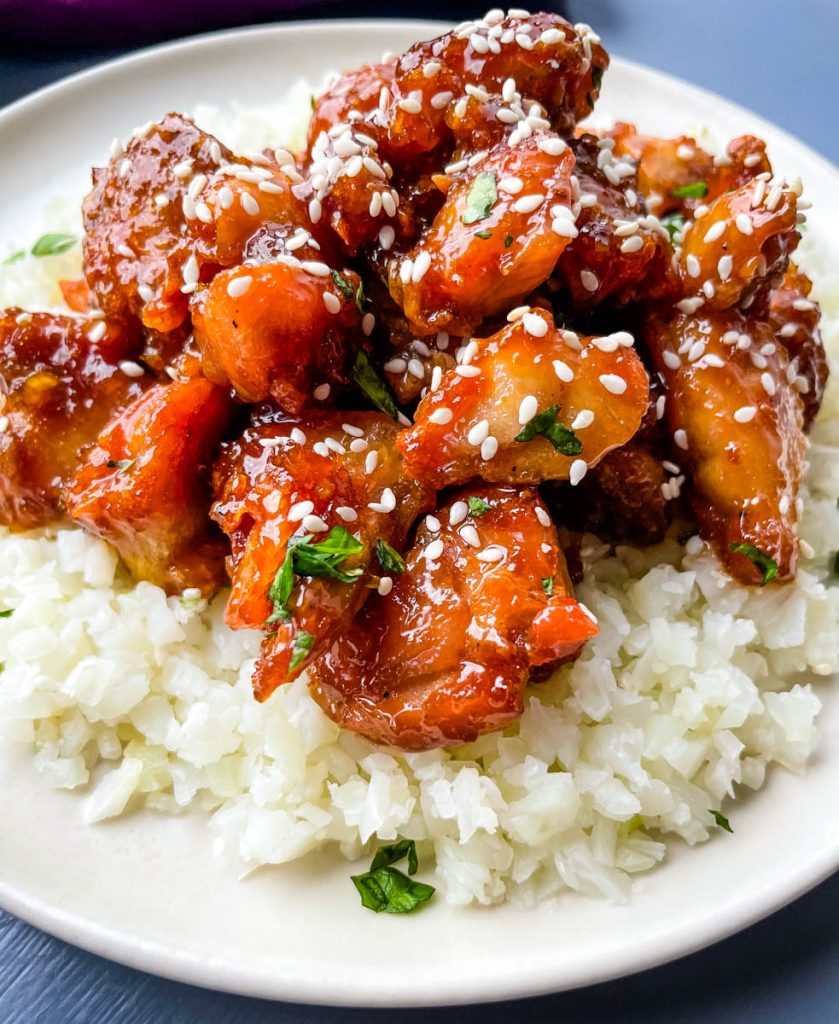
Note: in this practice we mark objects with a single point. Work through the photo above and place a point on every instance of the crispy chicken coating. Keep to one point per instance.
(481, 420)
(287, 478)
(445, 655)
(61, 380)
(736, 425)
(144, 485)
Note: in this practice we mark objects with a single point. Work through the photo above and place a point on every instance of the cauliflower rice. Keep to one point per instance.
(694, 687)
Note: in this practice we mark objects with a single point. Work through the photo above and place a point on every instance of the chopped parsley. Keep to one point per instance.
(306, 559)
(483, 234)
(548, 585)
(694, 190)
(6, 613)
(481, 198)
(767, 565)
(386, 888)
(477, 506)
(722, 821)
(303, 644)
(508, 241)
(15, 257)
(343, 285)
(373, 386)
(51, 245)
(360, 297)
(544, 424)
(121, 464)
(389, 558)
(674, 224)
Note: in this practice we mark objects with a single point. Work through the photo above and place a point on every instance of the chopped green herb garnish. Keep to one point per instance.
(477, 506)
(674, 224)
(302, 646)
(481, 198)
(6, 613)
(548, 585)
(722, 821)
(15, 257)
(483, 234)
(596, 77)
(343, 285)
(313, 101)
(389, 558)
(387, 855)
(373, 386)
(695, 190)
(121, 464)
(306, 559)
(508, 241)
(544, 424)
(767, 565)
(360, 297)
(385, 888)
(51, 245)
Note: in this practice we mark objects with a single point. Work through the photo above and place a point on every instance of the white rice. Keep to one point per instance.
(694, 687)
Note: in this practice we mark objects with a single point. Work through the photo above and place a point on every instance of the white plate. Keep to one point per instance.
(146, 890)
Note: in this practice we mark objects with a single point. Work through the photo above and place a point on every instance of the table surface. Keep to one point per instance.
(784, 970)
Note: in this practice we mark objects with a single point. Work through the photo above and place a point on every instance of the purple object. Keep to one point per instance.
(88, 24)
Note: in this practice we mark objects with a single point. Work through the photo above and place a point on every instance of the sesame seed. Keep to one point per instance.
(745, 414)
(789, 330)
(478, 433)
(489, 448)
(470, 535)
(297, 435)
(387, 502)
(441, 416)
(613, 383)
(578, 470)
(299, 510)
(335, 446)
(467, 371)
(406, 270)
(315, 268)
(563, 371)
(349, 515)
(744, 224)
(433, 550)
(589, 281)
(681, 439)
(416, 369)
(511, 185)
(395, 366)
(527, 204)
(633, 244)
(768, 382)
(534, 325)
(249, 204)
(527, 408)
(714, 232)
(97, 332)
(421, 265)
(322, 392)
(332, 302)
(315, 210)
(431, 68)
(368, 322)
(386, 237)
(458, 512)
(693, 266)
(696, 351)
(441, 99)
(724, 267)
(371, 461)
(553, 147)
(551, 36)
(542, 516)
(239, 285)
(491, 553)
(359, 445)
(385, 585)
(314, 524)
(689, 306)
(410, 105)
(783, 505)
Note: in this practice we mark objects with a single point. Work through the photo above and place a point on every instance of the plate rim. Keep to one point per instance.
(171, 963)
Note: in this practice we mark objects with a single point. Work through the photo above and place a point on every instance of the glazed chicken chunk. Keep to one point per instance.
(531, 403)
(61, 378)
(483, 600)
(327, 478)
(144, 485)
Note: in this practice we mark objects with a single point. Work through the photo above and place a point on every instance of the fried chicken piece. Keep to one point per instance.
(445, 655)
(737, 427)
(594, 392)
(743, 240)
(144, 486)
(795, 317)
(277, 329)
(328, 470)
(497, 237)
(61, 381)
(618, 253)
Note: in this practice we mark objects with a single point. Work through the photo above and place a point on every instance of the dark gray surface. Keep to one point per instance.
(779, 59)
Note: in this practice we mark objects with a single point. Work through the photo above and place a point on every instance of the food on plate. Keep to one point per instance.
(455, 453)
